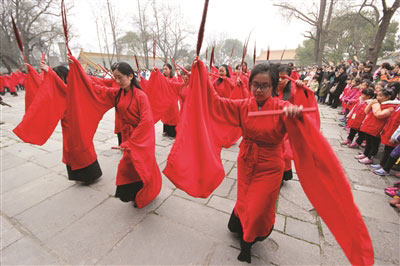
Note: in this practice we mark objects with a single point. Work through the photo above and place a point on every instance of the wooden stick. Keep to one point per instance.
(212, 57)
(284, 50)
(279, 112)
(154, 52)
(106, 71)
(137, 64)
(65, 24)
(254, 54)
(201, 30)
(303, 86)
(18, 38)
(184, 70)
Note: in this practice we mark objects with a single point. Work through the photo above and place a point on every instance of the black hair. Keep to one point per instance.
(388, 92)
(387, 66)
(271, 70)
(126, 69)
(171, 72)
(285, 68)
(366, 81)
(357, 80)
(227, 73)
(368, 92)
(395, 86)
(62, 72)
(238, 67)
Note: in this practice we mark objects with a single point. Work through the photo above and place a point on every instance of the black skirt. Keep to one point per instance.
(169, 130)
(128, 192)
(235, 226)
(87, 174)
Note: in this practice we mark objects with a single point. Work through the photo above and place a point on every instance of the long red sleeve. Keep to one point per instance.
(47, 108)
(31, 85)
(187, 167)
(161, 95)
(326, 186)
(86, 105)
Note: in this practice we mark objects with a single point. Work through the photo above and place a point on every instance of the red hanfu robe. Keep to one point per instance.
(171, 117)
(225, 88)
(198, 139)
(326, 186)
(194, 165)
(47, 108)
(86, 105)
(138, 138)
(161, 96)
(31, 85)
(2, 87)
(260, 162)
(13, 82)
(110, 83)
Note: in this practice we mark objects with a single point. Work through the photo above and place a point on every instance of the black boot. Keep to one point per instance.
(234, 224)
(245, 251)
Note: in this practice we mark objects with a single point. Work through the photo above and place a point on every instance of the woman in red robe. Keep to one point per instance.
(90, 173)
(260, 160)
(171, 118)
(224, 85)
(138, 177)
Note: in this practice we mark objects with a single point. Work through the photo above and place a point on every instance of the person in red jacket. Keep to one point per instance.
(378, 111)
(390, 127)
(356, 117)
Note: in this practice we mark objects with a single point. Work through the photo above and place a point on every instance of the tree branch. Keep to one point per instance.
(298, 14)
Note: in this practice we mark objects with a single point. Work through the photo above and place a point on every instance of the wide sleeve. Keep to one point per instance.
(223, 110)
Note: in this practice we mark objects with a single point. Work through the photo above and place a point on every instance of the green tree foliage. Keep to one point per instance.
(130, 43)
(349, 36)
(305, 53)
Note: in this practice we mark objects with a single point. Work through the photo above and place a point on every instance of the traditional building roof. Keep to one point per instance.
(91, 60)
(275, 56)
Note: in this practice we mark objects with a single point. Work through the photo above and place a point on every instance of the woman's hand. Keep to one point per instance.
(299, 83)
(44, 67)
(293, 111)
(70, 59)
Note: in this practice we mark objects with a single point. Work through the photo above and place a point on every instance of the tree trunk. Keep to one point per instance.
(376, 44)
(318, 43)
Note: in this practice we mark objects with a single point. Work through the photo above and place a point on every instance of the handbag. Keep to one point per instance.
(333, 89)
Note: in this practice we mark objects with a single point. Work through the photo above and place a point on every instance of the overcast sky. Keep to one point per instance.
(230, 18)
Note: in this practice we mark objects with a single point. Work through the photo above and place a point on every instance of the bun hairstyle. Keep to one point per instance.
(62, 72)
(126, 69)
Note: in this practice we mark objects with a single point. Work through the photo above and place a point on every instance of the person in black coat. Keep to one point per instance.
(340, 83)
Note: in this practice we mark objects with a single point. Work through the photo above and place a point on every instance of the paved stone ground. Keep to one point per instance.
(48, 220)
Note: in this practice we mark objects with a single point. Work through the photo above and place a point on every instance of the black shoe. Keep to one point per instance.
(245, 251)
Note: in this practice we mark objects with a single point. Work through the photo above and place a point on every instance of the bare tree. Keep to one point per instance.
(39, 26)
(113, 25)
(380, 22)
(142, 23)
(319, 19)
(169, 30)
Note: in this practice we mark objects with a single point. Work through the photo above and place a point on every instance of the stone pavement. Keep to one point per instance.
(48, 220)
